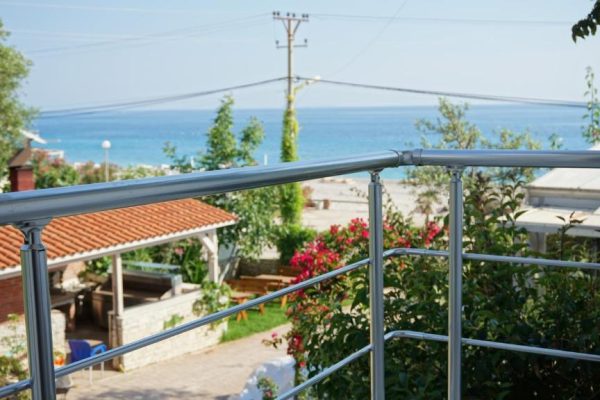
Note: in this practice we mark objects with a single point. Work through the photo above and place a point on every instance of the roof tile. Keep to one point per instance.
(68, 236)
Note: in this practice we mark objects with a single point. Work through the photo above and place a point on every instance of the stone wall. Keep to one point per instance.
(59, 322)
(147, 319)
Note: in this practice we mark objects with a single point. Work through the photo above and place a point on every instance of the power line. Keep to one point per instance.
(164, 35)
(471, 96)
(81, 111)
(89, 110)
(96, 8)
(477, 21)
(372, 41)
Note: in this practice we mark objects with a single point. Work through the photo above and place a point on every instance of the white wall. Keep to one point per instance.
(146, 319)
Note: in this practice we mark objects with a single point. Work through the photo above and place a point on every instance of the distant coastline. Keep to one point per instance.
(138, 136)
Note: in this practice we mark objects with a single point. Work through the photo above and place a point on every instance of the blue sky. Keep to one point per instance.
(188, 46)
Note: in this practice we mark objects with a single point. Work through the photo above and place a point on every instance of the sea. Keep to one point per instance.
(138, 137)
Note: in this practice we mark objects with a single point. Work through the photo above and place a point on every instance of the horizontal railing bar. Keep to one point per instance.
(138, 344)
(532, 261)
(504, 259)
(57, 202)
(407, 334)
(504, 158)
(330, 370)
(325, 373)
(16, 387)
(499, 346)
(66, 370)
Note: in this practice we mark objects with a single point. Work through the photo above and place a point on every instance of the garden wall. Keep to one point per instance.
(147, 319)
(8, 329)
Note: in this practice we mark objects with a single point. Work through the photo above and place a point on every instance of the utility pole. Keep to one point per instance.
(291, 23)
(291, 201)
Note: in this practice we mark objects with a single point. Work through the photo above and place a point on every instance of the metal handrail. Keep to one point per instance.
(408, 334)
(31, 211)
(396, 252)
(58, 202)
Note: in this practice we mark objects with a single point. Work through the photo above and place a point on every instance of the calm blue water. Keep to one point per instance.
(138, 137)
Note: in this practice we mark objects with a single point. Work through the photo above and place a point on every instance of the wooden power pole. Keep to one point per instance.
(291, 23)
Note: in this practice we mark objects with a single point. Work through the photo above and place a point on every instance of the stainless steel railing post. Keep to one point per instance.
(36, 294)
(376, 288)
(455, 285)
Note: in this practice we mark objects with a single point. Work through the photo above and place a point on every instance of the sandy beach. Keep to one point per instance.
(347, 198)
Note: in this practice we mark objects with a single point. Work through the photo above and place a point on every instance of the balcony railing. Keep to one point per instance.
(31, 211)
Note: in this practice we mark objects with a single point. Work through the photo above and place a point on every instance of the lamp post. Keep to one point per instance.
(106, 147)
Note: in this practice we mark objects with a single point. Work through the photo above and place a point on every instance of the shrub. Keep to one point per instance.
(268, 388)
(519, 304)
(291, 238)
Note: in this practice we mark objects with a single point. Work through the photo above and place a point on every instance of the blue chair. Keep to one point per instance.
(82, 349)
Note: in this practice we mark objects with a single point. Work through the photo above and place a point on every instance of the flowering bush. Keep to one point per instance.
(502, 302)
(267, 387)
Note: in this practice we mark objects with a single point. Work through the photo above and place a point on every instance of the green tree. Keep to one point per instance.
(454, 131)
(254, 208)
(14, 115)
(588, 25)
(53, 172)
(291, 200)
(591, 131)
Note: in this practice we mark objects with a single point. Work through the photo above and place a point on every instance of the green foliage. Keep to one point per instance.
(222, 145)
(172, 322)
(99, 266)
(214, 297)
(588, 25)
(532, 305)
(11, 371)
(291, 238)
(52, 172)
(138, 172)
(14, 115)
(273, 317)
(267, 387)
(291, 201)
(254, 208)
(12, 363)
(187, 254)
(455, 132)
(90, 172)
(14, 342)
(591, 132)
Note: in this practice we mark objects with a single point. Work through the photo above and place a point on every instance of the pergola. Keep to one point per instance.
(112, 233)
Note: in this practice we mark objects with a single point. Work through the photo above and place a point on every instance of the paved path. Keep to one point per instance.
(216, 373)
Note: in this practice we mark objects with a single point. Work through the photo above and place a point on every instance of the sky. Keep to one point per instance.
(97, 52)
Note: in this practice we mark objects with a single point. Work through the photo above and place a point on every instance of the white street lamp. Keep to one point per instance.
(106, 147)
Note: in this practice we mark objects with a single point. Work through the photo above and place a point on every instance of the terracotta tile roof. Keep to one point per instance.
(69, 236)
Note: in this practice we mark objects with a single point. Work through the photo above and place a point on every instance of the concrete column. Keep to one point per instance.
(118, 305)
(211, 244)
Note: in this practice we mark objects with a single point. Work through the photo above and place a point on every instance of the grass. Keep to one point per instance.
(274, 316)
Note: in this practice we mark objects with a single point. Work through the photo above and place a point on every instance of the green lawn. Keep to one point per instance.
(273, 317)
